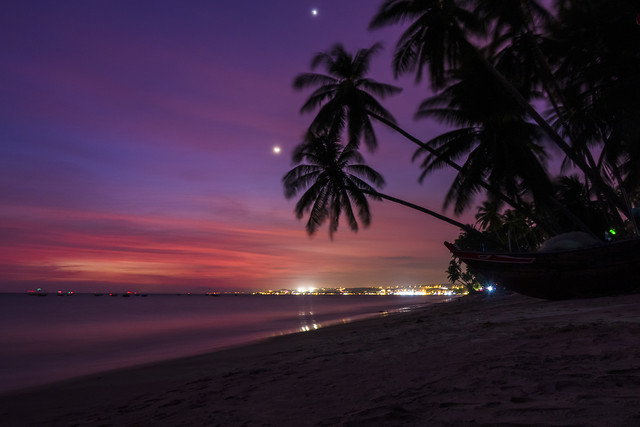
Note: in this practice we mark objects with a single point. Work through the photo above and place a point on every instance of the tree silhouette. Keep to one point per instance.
(333, 181)
(513, 79)
(345, 95)
(440, 34)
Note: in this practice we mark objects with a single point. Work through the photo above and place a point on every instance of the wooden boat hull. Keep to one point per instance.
(597, 271)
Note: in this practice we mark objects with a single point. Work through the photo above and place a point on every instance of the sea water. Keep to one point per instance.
(47, 339)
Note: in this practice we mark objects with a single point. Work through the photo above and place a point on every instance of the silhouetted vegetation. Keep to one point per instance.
(517, 83)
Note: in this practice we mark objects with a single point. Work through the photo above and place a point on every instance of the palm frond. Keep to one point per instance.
(305, 80)
(366, 172)
(318, 97)
(299, 178)
(395, 12)
(362, 59)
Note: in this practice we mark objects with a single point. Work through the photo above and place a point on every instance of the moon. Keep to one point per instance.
(314, 12)
(277, 149)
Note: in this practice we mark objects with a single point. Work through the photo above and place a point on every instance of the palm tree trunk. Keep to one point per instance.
(595, 177)
(454, 165)
(484, 184)
(555, 95)
(434, 214)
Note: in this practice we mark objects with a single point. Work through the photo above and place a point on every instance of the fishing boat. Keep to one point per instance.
(606, 269)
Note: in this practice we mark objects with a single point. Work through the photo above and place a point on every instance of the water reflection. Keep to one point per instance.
(306, 315)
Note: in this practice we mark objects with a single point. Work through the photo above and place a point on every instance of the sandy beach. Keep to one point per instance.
(503, 360)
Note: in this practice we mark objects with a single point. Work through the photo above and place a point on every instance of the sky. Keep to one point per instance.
(136, 150)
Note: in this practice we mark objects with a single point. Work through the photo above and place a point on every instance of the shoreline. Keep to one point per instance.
(47, 345)
(503, 359)
(276, 335)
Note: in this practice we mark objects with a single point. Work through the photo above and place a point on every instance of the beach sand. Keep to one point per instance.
(503, 360)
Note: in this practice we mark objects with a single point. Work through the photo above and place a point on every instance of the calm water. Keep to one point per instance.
(45, 339)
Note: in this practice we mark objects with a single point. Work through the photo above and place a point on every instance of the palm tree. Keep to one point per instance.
(335, 98)
(344, 95)
(488, 217)
(331, 182)
(600, 73)
(520, 231)
(456, 274)
(498, 145)
(575, 195)
(332, 179)
(515, 44)
(438, 36)
(434, 37)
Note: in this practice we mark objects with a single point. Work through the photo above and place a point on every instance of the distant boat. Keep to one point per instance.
(608, 269)
(63, 293)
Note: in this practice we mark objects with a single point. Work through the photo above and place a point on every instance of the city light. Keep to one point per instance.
(405, 290)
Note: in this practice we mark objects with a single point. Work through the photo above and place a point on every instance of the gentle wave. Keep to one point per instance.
(47, 339)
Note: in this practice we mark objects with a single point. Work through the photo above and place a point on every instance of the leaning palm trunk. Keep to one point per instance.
(593, 175)
(492, 189)
(463, 227)
(514, 204)
(556, 96)
(434, 214)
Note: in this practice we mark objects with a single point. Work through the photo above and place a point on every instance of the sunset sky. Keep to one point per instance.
(136, 150)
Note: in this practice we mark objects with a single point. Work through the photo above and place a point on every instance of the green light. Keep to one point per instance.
(612, 231)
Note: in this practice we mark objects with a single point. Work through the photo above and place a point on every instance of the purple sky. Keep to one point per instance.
(136, 150)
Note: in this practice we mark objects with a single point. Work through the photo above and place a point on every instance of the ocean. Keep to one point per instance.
(52, 338)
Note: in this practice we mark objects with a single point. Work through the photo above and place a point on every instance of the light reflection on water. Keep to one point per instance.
(54, 338)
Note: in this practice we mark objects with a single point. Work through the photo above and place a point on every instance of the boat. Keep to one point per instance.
(607, 269)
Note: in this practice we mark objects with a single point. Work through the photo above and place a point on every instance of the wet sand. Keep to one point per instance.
(503, 360)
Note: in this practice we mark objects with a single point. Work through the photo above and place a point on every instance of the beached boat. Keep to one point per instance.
(606, 269)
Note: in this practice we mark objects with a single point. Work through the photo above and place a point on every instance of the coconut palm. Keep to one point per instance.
(510, 227)
(344, 96)
(488, 216)
(498, 146)
(438, 36)
(332, 177)
(330, 100)
(456, 274)
(332, 181)
(520, 232)
(601, 73)
(514, 42)
(575, 195)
